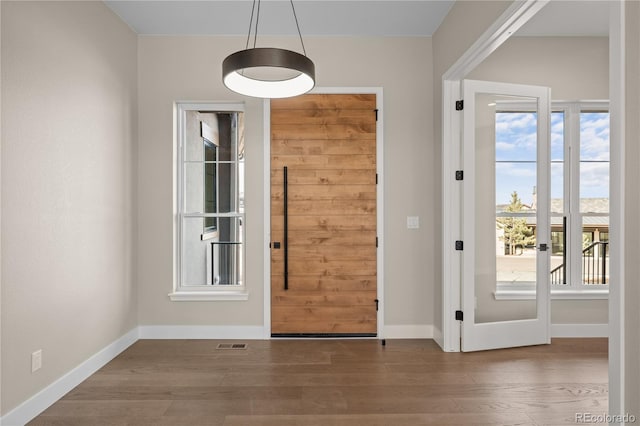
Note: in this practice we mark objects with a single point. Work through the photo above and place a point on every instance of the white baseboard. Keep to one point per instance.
(408, 331)
(579, 330)
(35, 405)
(201, 332)
(438, 337)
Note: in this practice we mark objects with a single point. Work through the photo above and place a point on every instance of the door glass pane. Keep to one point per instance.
(594, 161)
(506, 201)
(594, 196)
(557, 163)
(558, 222)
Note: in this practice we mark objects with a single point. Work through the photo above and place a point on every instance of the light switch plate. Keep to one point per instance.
(413, 222)
(36, 360)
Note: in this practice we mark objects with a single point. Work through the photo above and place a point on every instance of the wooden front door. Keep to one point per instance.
(323, 215)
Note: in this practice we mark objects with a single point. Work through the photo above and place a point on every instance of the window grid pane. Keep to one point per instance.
(212, 208)
(591, 221)
(594, 197)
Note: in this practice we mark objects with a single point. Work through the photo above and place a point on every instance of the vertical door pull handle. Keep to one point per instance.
(286, 231)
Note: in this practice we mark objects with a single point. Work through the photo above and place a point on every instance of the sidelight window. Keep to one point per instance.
(209, 249)
(579, 234)
(580, 216)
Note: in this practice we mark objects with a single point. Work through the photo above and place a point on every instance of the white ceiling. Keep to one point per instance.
(339, 17)
(316, 17)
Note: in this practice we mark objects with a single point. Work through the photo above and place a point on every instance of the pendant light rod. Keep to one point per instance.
(298, 26)
(255, 34)
(253, 8)
(257, 15)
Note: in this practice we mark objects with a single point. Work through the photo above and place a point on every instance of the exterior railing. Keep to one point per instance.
(558, 276)
(594, 265)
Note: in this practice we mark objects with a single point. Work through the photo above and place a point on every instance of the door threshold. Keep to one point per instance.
(323, 335)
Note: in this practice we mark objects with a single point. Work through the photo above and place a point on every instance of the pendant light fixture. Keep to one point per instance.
(268, 72)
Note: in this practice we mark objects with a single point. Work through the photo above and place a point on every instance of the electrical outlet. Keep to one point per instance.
(36, 360)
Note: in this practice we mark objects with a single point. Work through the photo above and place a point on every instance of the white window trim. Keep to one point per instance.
(576, 289)
(195, 293)
(572, 290)
(509, 291)
(184, 295)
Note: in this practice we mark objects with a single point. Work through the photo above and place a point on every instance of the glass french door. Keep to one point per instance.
(506, 232)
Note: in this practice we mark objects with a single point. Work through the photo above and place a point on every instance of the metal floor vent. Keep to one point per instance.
(233, 346)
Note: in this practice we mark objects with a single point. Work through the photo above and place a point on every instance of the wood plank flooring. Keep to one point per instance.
(338, 383)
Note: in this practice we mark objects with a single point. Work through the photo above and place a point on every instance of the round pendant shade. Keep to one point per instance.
(237, 66)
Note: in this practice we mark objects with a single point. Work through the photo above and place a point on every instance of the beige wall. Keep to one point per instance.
(466, 22)
(68, 132)
(632, 206)
(188, 68)
(575, 68)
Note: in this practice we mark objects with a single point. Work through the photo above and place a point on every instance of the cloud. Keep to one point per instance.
(557, 180)
(594, 136)
(516, 134)
(594, 180)
(504, 146)
(515, 120)
(507, 170)
(557, 136)
(557, 170)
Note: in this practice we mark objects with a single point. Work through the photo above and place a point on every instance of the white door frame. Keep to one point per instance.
(528, 331)
(509, 22)
(378, 91)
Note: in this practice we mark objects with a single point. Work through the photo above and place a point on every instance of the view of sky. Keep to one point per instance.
(516, 155)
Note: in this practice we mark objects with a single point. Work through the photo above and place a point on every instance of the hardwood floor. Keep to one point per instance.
(338, 382)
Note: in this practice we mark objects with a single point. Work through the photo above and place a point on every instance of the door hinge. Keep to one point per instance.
(459, 316)
(376, 178)
(376, 242)
(459, 175)
(376, 114)
(459, 245)
(459, 105)
(377, 304)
